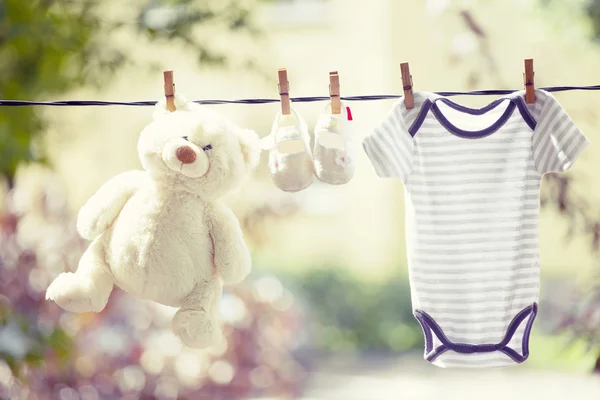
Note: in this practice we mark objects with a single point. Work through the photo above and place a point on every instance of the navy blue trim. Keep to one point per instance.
(469, 110)
(528, 327)
(429, 104)
(527, 117)
(429, 325)
(472, 134)
(414, 128)
(436, 353)
(428, 339)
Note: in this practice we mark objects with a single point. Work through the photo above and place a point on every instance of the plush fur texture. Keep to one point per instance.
(162, 234)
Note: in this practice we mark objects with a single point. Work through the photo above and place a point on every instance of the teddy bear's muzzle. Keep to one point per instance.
(185, 154)
(185, 158)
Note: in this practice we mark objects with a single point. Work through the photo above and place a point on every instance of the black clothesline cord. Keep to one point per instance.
(21, 103)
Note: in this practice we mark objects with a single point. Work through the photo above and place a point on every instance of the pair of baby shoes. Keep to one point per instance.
(291, 161)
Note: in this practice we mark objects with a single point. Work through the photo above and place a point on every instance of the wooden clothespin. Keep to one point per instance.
(409, 100)
(169, 90)
(334, 92)
(528, 81)
(284, 89)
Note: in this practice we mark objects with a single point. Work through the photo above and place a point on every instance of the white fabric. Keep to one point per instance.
(472, 207)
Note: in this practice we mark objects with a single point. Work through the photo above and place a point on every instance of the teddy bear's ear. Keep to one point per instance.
(181, 103)
(250, 145)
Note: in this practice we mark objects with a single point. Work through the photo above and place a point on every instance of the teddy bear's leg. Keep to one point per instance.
(89, 287)
(196, 323)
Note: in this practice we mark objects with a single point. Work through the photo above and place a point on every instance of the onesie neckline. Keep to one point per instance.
(515, 101)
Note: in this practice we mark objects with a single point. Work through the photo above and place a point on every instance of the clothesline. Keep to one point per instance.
(21, 103)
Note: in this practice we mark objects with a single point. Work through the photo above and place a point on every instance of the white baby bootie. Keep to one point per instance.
(334, 147)
(290, 157)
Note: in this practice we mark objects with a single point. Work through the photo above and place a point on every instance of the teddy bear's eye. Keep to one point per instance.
(185, 138)
(207, 147)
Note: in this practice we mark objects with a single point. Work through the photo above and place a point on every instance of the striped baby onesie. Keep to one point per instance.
(472, 180)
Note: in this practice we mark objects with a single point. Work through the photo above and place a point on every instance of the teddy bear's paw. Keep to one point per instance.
(196, 328)
(75, 293)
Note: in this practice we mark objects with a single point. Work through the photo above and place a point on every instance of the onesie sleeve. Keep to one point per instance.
(557, 141)
(390, 146)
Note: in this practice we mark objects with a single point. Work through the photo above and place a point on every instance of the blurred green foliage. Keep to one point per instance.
(34, 344)
(593, 11)
(351, 314)
(50, 46)
(570, 13)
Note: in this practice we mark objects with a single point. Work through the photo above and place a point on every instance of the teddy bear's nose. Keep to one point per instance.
(185, 154)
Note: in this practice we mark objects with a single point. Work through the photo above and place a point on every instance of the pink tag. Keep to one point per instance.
(349, 113)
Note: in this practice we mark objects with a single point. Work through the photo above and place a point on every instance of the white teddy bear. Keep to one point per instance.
(162, 234)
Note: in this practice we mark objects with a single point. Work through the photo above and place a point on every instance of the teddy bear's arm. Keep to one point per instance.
(231, 256)
(99, 212)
